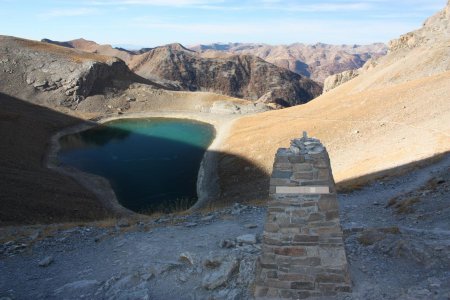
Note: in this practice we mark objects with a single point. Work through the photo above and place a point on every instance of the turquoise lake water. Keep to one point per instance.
(152, 164)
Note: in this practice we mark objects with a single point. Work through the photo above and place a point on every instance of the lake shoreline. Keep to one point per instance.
(207, 179)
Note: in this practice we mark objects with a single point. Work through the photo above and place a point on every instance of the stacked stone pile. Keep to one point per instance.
(303, 252)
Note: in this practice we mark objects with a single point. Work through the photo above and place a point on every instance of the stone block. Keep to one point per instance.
(322, 224)
(327, 287)
(302, 176)
(272, 241)
(305, 167)
(275, 283)
(282, 160)
(331, 242)
(272, 274)
(330, 278)
(316, 183)
(272, 189)
(267, 257)
(310, 197)
(328, 202)
(287, 294)
(291, 222)
(269, 266)
(290, 230)
(272, 293)
(295, 277)
(296, 159)
(261, 291)
(271, 227)
(321, 163)
(312, 251)
(291, 294)
(297, 261)
(283, 166)
(281, 174)
(289, 251)
(281, 182)
(299, 212)
(276, 209)
(327, 230)
(310, 203)
(290, 201)
(302, 285)
(323, 174)
(316, 217)
(307, 270)
(306, 238)
(332, 214)
(284, 188)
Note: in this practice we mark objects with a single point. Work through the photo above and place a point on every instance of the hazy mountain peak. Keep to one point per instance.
(316, 61)
(176, 47)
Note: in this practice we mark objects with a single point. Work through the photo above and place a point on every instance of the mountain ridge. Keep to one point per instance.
(242, 76)
(316, 61)
(57, 75)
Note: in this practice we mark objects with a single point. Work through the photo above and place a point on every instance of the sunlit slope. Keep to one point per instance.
(396, 112)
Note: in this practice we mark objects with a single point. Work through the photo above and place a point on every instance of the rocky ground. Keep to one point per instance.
(397, 238)
(192, 257)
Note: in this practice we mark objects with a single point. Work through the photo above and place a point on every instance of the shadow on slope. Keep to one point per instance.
(31, 193)
(359, 182)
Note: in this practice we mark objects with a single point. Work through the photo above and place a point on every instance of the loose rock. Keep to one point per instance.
(46, 262)
(246, 239)
(227, 244)
(222, 275)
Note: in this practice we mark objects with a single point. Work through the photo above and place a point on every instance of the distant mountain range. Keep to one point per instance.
(316, 61)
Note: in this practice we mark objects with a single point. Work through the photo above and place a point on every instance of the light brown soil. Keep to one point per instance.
(76, 55)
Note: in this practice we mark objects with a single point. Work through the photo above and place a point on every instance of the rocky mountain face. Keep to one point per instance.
(434, 30)
(314, 61)
(435, 33)
(336, 80)
(242, 76)
(62, 76)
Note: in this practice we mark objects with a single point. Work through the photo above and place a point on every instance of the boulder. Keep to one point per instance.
(220, 277)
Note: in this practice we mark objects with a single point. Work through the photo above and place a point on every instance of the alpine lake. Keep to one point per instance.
(152, 164)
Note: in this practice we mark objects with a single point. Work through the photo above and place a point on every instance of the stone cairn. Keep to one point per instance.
(303, 253)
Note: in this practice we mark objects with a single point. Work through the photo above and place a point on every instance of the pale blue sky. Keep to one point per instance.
(157, 22)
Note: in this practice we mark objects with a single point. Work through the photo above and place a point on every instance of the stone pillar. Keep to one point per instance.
(303, 253)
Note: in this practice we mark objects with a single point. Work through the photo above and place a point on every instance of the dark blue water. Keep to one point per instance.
(152, 164)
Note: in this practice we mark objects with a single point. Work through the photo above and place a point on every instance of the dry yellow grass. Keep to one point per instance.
(395, 113)
(75, 55)
(365, 130)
